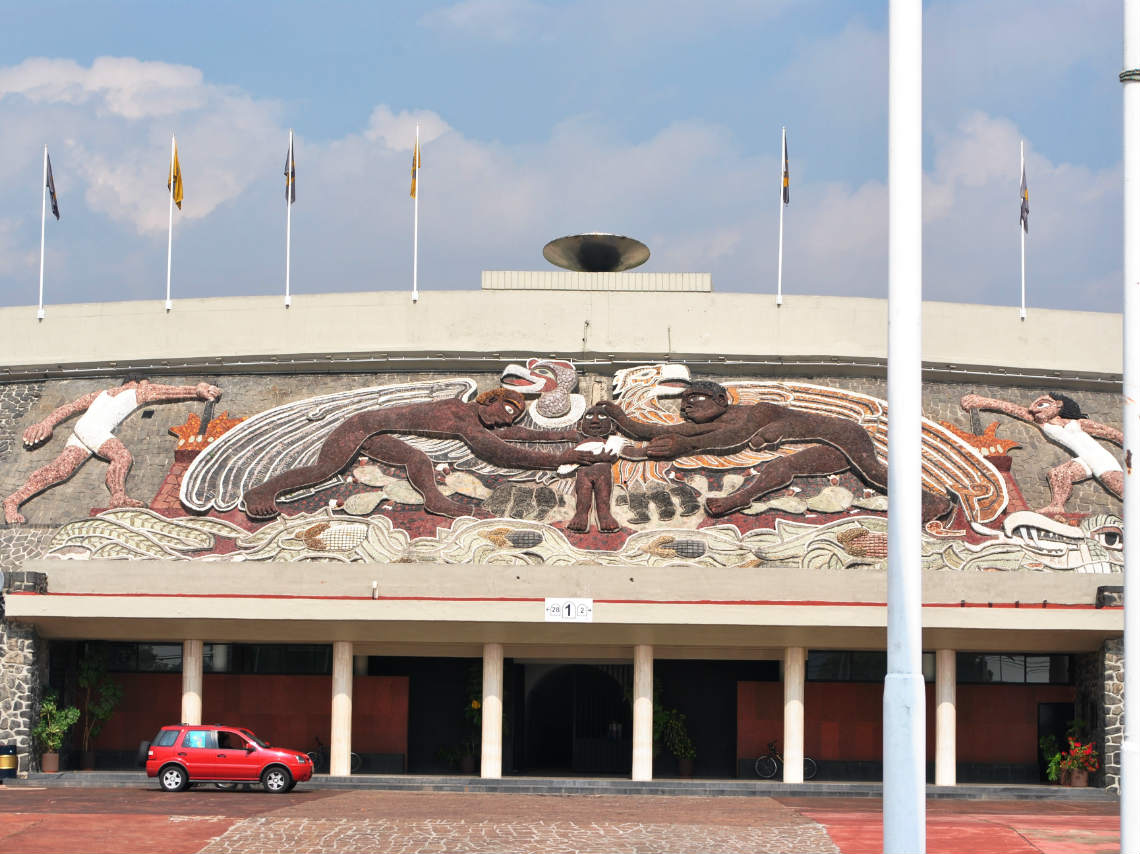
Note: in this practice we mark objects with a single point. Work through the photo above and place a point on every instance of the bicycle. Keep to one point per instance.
(768, 765)
(320, 758)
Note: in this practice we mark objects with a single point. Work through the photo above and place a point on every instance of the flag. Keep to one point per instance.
(51, 188)
(175, 178)
(786, 174)
(415, 167)
(290, 175)
(1024, 201)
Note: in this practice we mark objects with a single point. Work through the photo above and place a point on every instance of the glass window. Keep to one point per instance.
(1011, 668)
(846, 666)
(1037, 669)
(1014, 668)
(201, 738)
(165, 737)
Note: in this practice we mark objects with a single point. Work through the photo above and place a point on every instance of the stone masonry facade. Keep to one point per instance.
(1112, 656)
(21, 662)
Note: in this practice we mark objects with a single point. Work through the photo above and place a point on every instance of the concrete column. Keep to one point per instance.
(945, 718)
(491, 760)
(340, 738)
(192, 682)
(643, 712)
(795, 669)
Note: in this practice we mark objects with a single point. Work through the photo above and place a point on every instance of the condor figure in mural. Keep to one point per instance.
(663, 471)
(712, 425)
(93, 436)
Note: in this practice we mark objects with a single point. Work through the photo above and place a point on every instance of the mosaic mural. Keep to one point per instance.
(665, 470)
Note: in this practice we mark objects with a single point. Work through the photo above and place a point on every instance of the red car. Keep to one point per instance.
(183, 755)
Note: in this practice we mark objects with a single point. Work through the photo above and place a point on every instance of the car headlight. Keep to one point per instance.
(301, 760)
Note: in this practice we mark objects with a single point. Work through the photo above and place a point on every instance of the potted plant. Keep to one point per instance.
(1079, 760)
(100, 695)
(674, 733)
(51, 726)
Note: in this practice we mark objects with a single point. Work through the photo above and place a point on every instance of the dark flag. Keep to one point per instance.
(290, 174)
(1024, 202)
(786, 173)
(51, 188)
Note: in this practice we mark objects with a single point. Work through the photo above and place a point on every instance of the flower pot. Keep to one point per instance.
(87, 760)
(684, 767)
(49, 763)
(1079, 778)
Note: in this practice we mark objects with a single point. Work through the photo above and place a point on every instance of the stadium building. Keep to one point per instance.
(519, 530)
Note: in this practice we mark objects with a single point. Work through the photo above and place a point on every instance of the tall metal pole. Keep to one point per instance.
(170, 229)
(904, 693)
(288, 215)
(780, 252)
(416, 226)
(1130, 749)
(43, 230)
(1021, 230)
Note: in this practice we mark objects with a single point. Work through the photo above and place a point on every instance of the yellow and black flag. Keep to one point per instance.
(174, 179)
(51, 186)
(290, 173)
(1024, 201)
(786, 173)
(415, 167)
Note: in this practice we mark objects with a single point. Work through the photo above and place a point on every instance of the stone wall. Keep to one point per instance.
(21, 654)
(1112, 656)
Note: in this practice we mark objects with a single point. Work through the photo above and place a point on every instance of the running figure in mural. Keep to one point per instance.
(712, 425)
(484, 425)
(1063, 423)
(93, 435)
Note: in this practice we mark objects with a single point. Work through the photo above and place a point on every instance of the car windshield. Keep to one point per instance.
(249, 734)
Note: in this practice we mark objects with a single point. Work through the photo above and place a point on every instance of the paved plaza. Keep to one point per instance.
(131, 820)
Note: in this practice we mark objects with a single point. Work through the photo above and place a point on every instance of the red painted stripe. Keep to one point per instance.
(772, 602)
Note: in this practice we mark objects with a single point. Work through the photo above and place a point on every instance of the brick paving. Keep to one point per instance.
(142, 819)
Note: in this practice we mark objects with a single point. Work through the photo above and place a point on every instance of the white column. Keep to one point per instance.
(904, 691)
(340, 738)
(1130, 747)
(795, 669)
(945, 718)
(643, 712)
(192, 682)
(491, 759)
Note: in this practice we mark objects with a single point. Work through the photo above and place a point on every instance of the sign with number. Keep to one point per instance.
(569, 610)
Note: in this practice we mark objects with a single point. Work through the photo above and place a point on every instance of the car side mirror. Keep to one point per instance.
(249, 748)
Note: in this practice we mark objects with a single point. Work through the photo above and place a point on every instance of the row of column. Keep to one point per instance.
(491, 759)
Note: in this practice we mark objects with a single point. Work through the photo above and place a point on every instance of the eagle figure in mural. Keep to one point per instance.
(291, 435)
(950, 465)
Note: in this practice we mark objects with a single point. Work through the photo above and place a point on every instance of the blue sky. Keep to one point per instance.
(654, 118)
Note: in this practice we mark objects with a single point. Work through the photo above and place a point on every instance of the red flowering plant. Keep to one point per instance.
(1081, 756)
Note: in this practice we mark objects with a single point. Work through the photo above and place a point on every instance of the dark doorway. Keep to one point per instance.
(1053, 719)
(578, 719)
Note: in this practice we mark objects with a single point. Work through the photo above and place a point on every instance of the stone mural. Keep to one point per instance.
(661, 470)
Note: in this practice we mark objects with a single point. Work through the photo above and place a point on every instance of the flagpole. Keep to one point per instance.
(416, 225)
(780, 252)
(43, 231)
(288, 216)
(170, 230)
(1021, 229)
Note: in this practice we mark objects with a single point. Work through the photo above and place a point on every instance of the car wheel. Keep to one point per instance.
(173, 778)
(276, 780)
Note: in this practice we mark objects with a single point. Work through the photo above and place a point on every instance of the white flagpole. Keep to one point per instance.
(780, 252)
(43, 230)
(416, 226)
(288, 215)
(1021, 229)
(904, 691)
(170, 231)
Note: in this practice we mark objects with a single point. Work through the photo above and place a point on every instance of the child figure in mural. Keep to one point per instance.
(593, 482)
(1063, 423)
(93, 435)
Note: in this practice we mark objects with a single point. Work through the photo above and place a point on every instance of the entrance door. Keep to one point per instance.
(578, 719)
(1052, 719)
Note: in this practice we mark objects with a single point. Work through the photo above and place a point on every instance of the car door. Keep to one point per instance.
(199, 750)
(235, 759)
